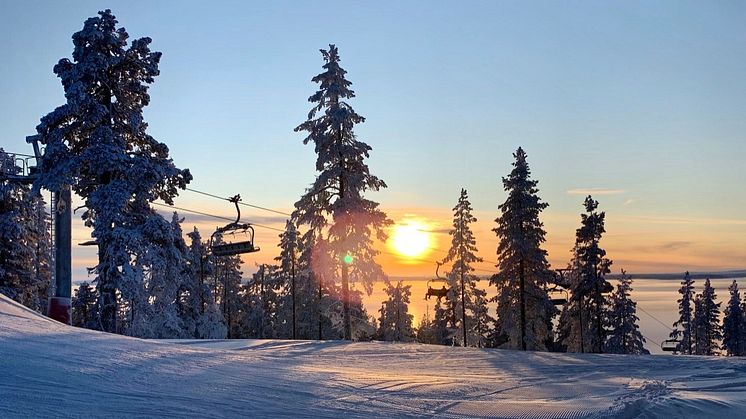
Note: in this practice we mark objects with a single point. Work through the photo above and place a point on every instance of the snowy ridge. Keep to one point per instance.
(52, 370)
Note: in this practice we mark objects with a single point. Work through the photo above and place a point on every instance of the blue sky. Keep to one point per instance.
(642, 103)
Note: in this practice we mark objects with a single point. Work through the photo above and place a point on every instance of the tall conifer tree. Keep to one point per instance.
(587, 311)
(683, 327)
(334, 205)
(734, 324)
(97, 142)
(624, 332)
(463, 282)
(524, 310)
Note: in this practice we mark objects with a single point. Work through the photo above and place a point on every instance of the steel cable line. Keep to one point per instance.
(246, 204)
(220, 217)
(654, 318)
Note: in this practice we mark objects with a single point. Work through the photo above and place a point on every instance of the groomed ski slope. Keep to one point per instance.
(51, 370)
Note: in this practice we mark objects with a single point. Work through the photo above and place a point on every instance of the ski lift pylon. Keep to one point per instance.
(236, 247)
(436, 292)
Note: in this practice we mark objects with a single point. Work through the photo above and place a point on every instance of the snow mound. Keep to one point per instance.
(51, 370)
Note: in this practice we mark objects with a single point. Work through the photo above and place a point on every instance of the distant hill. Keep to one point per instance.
(741, 273)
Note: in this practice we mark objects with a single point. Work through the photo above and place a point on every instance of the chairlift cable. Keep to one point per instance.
(220, 217)
(654, 318)
(246, 204)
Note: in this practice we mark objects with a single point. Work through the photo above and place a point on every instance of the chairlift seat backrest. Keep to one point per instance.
(230, 249)
(559, 301)
(670, 345)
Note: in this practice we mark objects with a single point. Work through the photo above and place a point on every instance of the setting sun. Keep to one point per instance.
(410, 239)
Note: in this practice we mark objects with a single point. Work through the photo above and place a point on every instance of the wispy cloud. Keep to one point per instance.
(674, 245)
(683, 220)
(595, 191)
(629, 202)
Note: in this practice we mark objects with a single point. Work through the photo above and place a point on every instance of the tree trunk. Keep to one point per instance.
(522, 291)
(292, 274)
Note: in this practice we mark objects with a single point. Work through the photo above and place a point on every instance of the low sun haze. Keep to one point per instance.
(641, 105)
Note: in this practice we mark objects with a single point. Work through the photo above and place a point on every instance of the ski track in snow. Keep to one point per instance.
(52, 370)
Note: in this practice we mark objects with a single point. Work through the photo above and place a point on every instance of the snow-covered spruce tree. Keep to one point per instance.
(227, 288)
(426, 329)
(683, 327)
(343, 178)
(524, 310)
(461, 278)
(261, 298)
(84, 307)
(43, 261)
(312, 285)
(395, 322)
(481, 328)
(288, 262)
(707, 321)
(587, 309)
(698, 326)
(97, 142)
(167, 256)
(624, 333)
(734, 324)
(200, 311)
(25, 271)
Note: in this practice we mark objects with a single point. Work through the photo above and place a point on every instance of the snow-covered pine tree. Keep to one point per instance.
(444, 335)
(461, 278)
(524, 310)
(734, 324)
(339, 187)
(84, 307)
(624, 333)
(395, 322)
(587, 311)
(683, 327)
(97, 142)
(707, 321)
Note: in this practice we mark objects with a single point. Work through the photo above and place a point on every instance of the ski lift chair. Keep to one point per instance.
(670, 345)
(234, 247)
(558, 296)
(437, 292)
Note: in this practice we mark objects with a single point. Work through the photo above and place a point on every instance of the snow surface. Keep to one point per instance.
(50, 370)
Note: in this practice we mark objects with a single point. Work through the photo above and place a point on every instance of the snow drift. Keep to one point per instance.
(49, 370)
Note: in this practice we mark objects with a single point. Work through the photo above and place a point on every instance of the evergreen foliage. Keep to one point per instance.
(524, 310)
(461, 278)
(97, 142)
(708, 335)
(84, 312)
(734, 324)
(395, 322)
(683, 327)
(25, 254)
(624, 335)
(334, 205)
(584, 319)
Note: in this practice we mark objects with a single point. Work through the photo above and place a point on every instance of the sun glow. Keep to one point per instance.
(410, 239)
